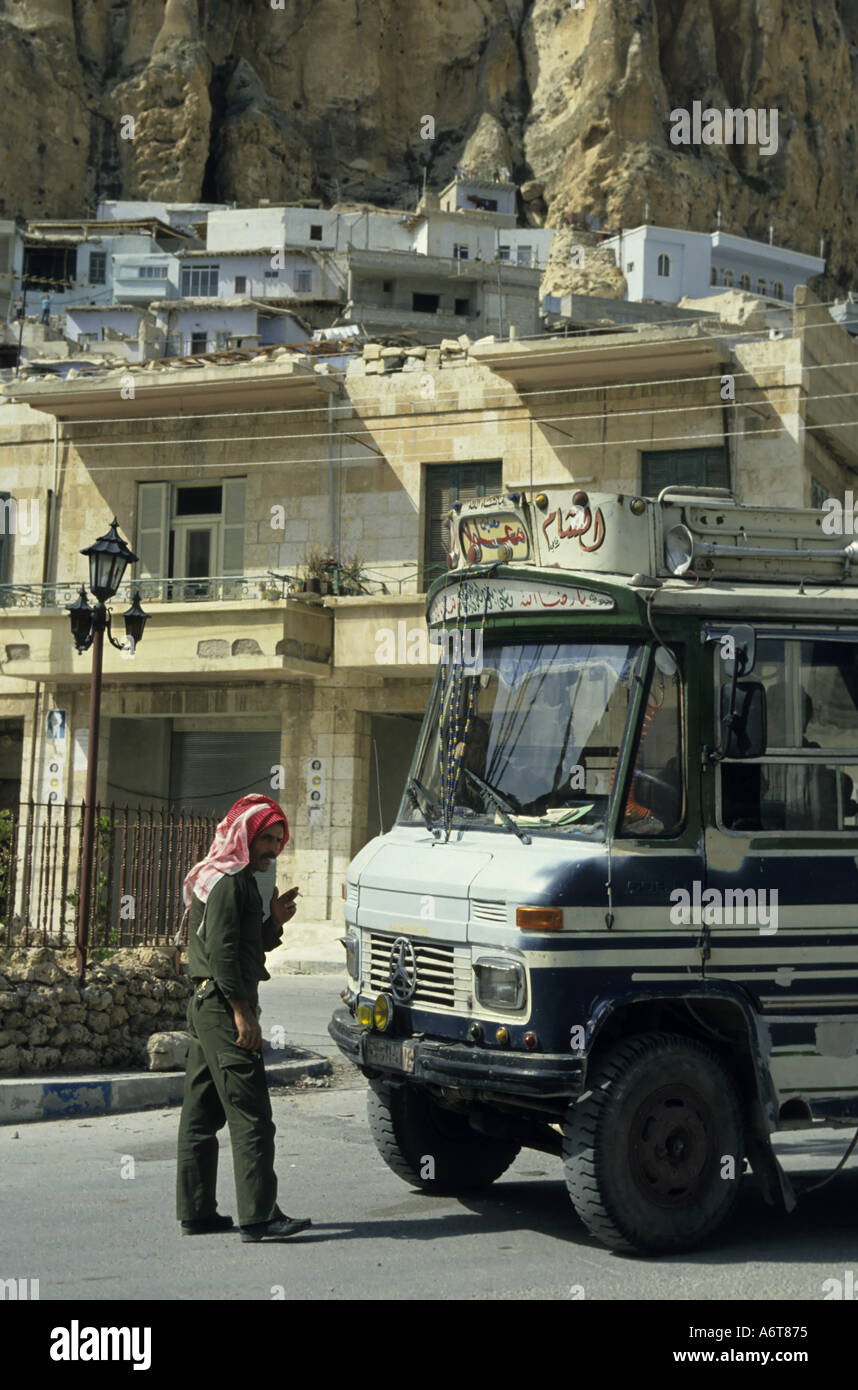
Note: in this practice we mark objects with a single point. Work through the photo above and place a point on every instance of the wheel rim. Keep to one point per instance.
(672, 1146)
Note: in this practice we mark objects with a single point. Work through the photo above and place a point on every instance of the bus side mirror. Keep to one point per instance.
(743, 719)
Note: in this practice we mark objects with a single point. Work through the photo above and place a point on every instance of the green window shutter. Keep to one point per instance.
(684, 468)
(233, 526)
(444, 485)
(5, 540)
(153, 524)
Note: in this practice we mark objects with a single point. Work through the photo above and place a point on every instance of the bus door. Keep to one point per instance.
(656, 866)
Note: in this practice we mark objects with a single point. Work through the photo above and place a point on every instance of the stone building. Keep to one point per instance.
(225, 479)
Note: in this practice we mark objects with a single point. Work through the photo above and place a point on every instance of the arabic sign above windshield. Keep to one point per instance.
(486, 533)
(469, 599)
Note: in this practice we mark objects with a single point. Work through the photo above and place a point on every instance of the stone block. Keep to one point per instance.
(99, 1022)
(9, 1061)
(79, 1057)
(371, 352)
(168, 1051)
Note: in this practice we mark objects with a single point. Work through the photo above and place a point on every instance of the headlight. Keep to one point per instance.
(352, 945)
(500, 984)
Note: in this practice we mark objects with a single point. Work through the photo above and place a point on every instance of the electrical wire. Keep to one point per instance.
(456, 424)
(443, 457)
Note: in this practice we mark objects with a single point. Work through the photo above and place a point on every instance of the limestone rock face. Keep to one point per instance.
(236, 102)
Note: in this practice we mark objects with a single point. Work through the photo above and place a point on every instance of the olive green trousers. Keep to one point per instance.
(224, 1084)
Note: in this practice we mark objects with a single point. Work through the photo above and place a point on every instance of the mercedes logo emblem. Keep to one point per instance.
(403, 970)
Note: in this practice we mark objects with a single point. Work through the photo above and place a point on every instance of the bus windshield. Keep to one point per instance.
(538, 730)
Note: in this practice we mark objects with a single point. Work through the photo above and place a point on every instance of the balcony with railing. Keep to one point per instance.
(226, 627)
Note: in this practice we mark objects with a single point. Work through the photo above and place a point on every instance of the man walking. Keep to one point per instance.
(225, 1076)
(47, 301)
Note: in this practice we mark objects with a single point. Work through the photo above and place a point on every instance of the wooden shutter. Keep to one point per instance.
(233, 526)
(684, 468)
(5, 540)
(153, 524)
(453, 482)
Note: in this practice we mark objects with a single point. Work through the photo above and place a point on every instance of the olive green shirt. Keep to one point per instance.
(231, 948)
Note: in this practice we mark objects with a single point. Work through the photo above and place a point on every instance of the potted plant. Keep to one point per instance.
(313, 572)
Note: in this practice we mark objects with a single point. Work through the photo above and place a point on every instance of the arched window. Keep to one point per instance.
(761, 286)
(728, 279)
(778, 289)
(745, 282)
(713, 276)
(664, 264)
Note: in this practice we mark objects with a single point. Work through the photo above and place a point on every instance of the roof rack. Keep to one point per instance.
(707, 532)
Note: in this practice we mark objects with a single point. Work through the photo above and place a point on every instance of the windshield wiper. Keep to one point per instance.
(414, 787)
(503, 807)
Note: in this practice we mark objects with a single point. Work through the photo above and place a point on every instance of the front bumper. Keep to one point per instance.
(464, 1065)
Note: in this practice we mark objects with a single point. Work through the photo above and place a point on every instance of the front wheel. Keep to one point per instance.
(654, 1153)
(430, 1147)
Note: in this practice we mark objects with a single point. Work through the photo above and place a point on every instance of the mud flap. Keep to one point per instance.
(774, 1182)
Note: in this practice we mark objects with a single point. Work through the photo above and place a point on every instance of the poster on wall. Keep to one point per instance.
(54, 755)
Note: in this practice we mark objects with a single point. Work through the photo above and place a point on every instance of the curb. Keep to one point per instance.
(29, 1100)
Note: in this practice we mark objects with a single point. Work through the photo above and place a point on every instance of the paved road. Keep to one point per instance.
(72, 1221)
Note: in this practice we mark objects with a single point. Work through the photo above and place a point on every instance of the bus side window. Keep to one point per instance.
(655, 801)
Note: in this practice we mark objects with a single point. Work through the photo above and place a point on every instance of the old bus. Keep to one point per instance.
(617, 917)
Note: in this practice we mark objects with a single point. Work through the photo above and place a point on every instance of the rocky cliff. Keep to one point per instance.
(237, 100)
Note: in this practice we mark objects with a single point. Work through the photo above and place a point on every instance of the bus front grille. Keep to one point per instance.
(443, 972)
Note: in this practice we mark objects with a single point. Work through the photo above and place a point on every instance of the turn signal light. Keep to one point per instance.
(364, 1015)
(502, 1036)
(539, 918)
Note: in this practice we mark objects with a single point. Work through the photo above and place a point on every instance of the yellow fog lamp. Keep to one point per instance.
(539, 918)
(364, 1015)
(382, 1012)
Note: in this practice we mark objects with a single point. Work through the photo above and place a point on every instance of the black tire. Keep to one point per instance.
(409, 1127)
(655, 1092)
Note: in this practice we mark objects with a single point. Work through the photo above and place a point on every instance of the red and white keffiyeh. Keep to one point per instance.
(230, 849)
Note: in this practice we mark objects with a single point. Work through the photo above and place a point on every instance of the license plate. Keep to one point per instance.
(390, 1054)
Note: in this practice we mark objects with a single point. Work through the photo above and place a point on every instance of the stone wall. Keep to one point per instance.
(50, 1023)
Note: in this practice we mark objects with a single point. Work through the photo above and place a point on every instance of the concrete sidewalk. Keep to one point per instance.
(313, 946)
(60, 1095)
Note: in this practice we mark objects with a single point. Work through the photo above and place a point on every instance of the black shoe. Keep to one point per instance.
(209, 1226)
(278, 1228)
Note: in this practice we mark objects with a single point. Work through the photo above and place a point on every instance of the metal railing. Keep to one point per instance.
(214, 588)
(220, 588)
(141, 858)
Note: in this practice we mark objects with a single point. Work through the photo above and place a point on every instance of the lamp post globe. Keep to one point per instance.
(80, 615)
(135, 619)
(109, 557)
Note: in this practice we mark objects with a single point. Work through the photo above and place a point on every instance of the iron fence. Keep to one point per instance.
(140, 858)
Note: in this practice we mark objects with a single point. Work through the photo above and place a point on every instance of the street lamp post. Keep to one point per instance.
(109, 557)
